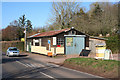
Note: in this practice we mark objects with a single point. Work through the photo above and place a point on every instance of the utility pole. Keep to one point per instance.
(25, 39)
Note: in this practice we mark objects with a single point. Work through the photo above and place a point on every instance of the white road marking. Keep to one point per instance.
(28, 65)
(48, 76)
(22, 63)
(39, 65)
(53, 64)
(33, 65)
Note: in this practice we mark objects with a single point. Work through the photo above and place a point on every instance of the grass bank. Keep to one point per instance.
(104, 68)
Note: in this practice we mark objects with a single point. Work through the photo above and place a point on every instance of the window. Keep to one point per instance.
(72, 33)
(13, 49)
(36, 44)
(60, 41)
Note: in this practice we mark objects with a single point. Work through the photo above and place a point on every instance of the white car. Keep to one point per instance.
(12, 51)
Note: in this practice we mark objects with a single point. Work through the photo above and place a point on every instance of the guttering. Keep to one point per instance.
(75, 35)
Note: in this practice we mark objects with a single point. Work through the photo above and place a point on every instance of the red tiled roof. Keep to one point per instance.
(51, 33)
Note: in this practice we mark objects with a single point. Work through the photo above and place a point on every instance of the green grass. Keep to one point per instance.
(104, 65)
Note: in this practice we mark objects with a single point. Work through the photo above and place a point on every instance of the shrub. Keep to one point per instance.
(113, 43)
(19, 45)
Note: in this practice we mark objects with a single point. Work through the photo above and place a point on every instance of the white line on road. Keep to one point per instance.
(28, 65)
(48, 76)
(22, 63)
(39, 65)
(31, 65)
(53, 64)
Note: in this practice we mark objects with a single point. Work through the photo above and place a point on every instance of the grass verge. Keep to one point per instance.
(104, 68)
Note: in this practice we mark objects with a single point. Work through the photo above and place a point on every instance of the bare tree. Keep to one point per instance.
(63, 13)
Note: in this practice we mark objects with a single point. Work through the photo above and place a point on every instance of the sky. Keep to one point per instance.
(37, 12)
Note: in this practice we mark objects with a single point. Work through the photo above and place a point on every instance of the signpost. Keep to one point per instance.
(49, 44)
(25, 39)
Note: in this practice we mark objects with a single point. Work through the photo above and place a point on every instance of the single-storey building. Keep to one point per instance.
(64, 41)
(93, 41)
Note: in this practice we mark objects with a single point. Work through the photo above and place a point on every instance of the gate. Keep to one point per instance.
(74, 44)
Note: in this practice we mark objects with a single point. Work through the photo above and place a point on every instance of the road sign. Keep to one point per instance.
(48, 41)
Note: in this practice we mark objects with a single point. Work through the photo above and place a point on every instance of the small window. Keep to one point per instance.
(36, 44)
(60, 41)
(72, 33)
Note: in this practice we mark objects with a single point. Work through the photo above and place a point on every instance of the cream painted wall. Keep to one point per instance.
(60, 50)
(43, 50)
(39, 49)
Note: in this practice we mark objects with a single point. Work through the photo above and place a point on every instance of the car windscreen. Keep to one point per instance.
(13, 49)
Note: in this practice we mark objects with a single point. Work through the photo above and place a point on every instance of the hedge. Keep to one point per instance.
(18, 44)
(113, 43)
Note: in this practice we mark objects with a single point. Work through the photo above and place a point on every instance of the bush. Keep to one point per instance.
(113, 43)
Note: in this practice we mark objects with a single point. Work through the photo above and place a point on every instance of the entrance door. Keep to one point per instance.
(74, 44)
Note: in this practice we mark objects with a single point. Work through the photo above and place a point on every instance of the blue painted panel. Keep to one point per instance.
(69, 49)
(78, 45)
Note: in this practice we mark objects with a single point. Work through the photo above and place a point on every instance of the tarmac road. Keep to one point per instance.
(25, 67)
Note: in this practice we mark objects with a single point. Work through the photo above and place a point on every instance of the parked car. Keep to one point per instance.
(12, 51)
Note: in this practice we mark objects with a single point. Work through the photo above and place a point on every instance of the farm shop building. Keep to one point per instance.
(65, 41)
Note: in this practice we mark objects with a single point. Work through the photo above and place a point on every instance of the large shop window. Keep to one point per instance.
(60, 41)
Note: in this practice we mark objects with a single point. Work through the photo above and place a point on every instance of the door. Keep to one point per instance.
(78, 44)
(29, 46)
(74, 45)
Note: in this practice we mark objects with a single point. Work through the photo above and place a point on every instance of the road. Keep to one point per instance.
(26, 67)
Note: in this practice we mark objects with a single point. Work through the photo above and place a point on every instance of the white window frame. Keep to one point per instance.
(60, 41)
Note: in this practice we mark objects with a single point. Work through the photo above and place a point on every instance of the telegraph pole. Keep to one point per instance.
(25, 39)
